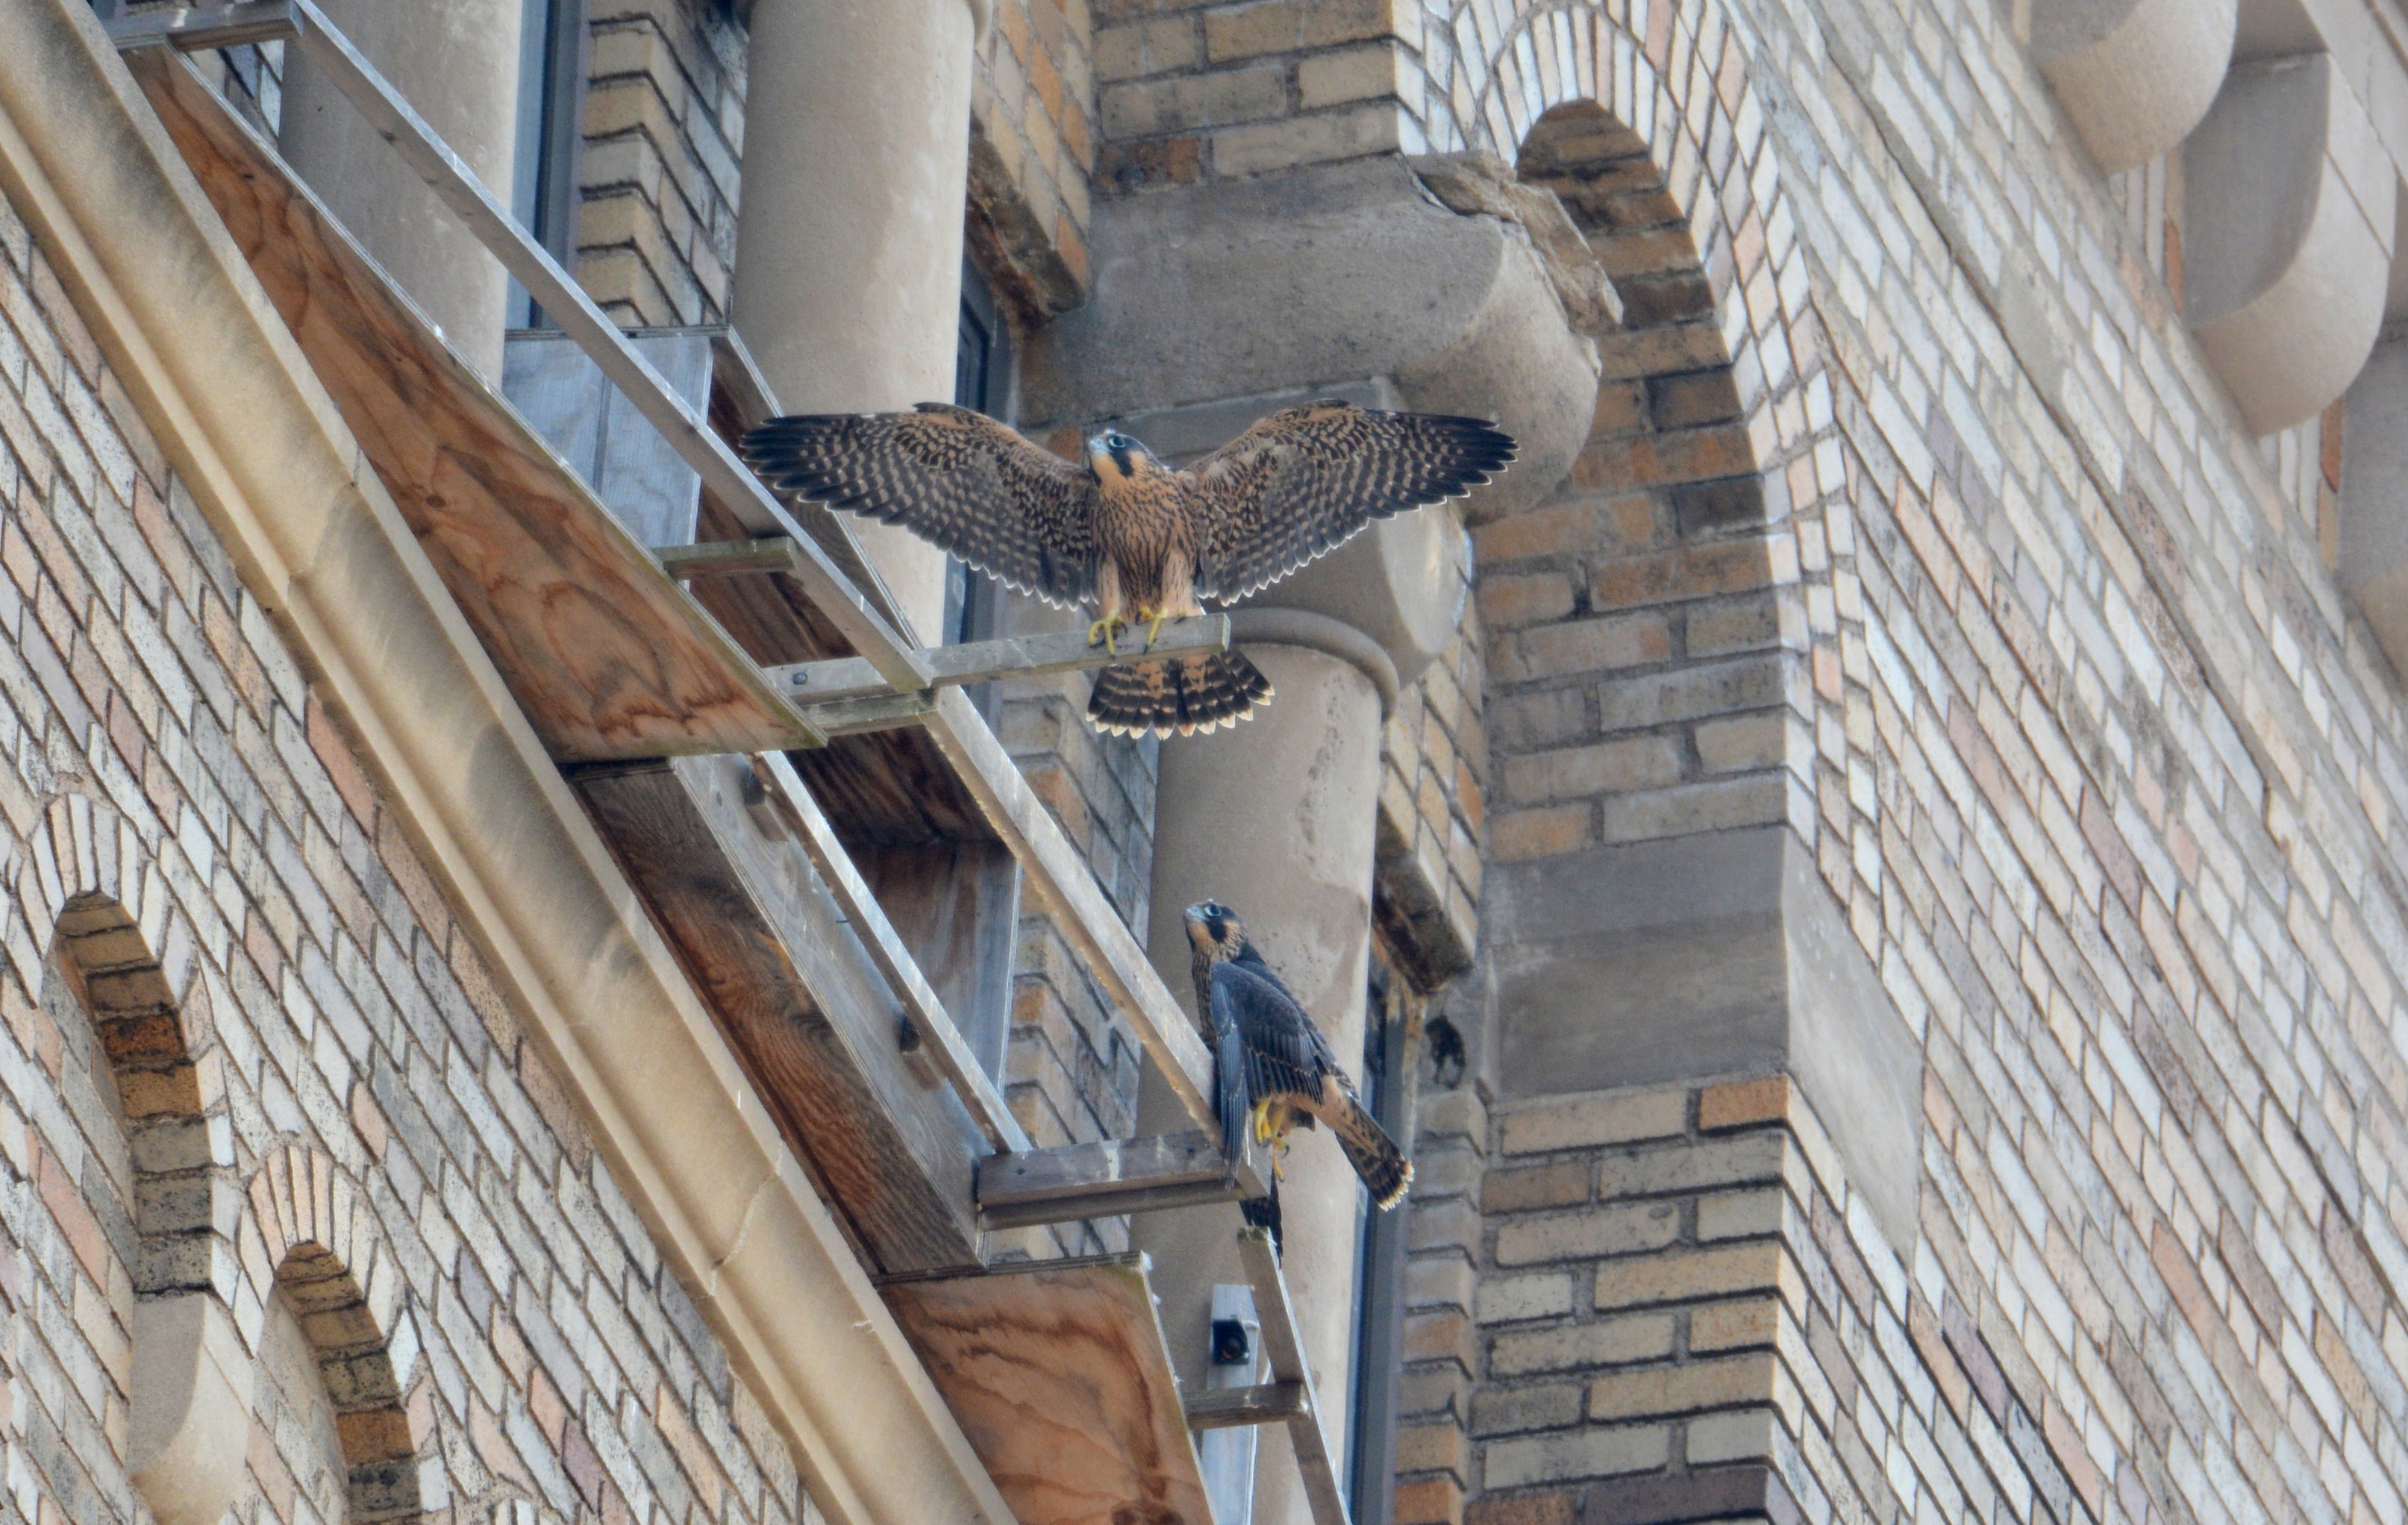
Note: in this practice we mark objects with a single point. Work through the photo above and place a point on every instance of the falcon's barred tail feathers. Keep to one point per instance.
(1369, 1149)
(1184, 694)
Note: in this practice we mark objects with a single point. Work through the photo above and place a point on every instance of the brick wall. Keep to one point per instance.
(658, 177)
(1636, 641)
(1433, 795)
(246, 1055)
(1636, 1303)
(2097, 762)
(1193, 90)
(1033, 153)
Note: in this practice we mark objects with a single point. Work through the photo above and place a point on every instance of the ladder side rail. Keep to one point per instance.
(1284, 1347)
(803, 816)
(1068, 886)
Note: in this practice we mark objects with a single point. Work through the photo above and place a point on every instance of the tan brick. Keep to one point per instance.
(1525, 1407)
(1739, 1215)
(1620, 1117)
(1146, 107)
(1585, 645)
(1349, 132)
(1684, 1167)
(1511, 1299)
(1699, 571)
(1587, 1453)
(1557, 1184)
(1749, 800)
(1747, 741)
(1429, 1501)
(1276, 26)
(1689, 1273)
(1509, 601)
(1599, 1231)
(1609, 767)
(1714, 1383)
(1741, 1435)
(1157, 46)
(1351, 74)
(1730, 1326)
(1526, 1509)
(1562, 530)
(1608, 1342)
(1519, 835)
(1432, 1447)
(1441, 1334)
(1738, 1103)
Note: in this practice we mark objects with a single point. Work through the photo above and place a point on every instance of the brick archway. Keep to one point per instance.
(132, 961)
(309, 1232)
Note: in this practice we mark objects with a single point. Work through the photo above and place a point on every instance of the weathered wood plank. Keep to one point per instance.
(1111, 1176)
(1059, 1375)
(723, 558)
(975, 662)
(1068, 886)
(946, 1050)
(1226, 1409)
(608, 656)
(1283, 1348)
(885, 1136)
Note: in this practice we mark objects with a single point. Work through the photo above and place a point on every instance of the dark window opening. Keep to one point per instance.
(1391, 1029)
(981, 380)
(543, 179)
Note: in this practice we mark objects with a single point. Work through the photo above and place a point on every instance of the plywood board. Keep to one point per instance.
(885, 1138)
(608, 656)
(1059, 1377)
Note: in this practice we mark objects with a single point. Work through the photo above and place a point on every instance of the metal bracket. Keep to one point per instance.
(191, 29)
(1112, 1176)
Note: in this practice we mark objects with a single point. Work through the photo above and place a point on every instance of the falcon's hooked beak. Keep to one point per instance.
(1215, 930)
(1115, 457)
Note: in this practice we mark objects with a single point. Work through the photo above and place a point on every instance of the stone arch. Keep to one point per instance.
(1651, 633)
(132, 959)
(309, 1232)
(92, 895)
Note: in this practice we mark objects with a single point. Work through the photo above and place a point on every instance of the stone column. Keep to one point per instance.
(849, 246)
(1275, 820)
(457, 65)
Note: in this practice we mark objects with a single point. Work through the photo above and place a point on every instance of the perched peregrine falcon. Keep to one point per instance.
(1120, 530)
(1273, 1068)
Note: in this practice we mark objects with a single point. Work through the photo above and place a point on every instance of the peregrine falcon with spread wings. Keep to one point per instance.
(1124, 532)
(1273, 1068)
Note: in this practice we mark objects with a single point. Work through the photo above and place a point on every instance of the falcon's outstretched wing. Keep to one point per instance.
(952, 477)
(1302, 481)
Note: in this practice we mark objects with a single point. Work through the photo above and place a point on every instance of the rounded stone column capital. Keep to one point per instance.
(1319, 632)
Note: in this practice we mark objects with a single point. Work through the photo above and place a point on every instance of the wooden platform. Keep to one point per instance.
(1058, 1375)
(609, 658)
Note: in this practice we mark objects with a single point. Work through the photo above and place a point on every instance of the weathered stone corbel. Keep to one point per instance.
(2134, 76)
(189, 1419)
(2288, 207)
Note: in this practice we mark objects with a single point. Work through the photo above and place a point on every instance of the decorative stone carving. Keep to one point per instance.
(2134, 76)
(2290, 201)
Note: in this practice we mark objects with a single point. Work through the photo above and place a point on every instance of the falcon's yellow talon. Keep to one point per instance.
(1153, 629)
(1101, 632)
